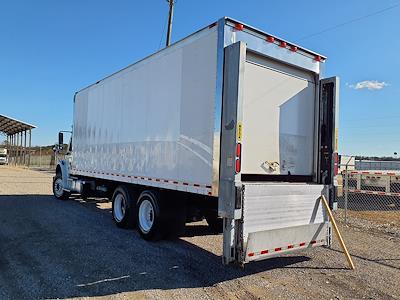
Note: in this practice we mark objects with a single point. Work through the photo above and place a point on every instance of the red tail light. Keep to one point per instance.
(335, 164)
(238, 149)
(238, 157)
(237, 165)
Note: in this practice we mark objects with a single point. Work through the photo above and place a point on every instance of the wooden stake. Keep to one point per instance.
(341, 241)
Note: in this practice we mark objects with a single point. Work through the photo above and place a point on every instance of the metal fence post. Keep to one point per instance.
(346, 194)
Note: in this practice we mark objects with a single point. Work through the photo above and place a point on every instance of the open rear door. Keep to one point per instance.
(269, 194)
(328, 133)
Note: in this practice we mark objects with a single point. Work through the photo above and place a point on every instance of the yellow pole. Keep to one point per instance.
(341, 241)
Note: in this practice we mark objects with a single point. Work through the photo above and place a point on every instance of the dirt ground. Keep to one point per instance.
(71, 249)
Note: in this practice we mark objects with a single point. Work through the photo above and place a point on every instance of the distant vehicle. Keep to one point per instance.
(230, 124)
(3, 156)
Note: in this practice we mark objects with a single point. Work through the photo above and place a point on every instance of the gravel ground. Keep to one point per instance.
(71, 249)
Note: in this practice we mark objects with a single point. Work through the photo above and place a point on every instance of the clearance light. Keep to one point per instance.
(270, 39)
(293, 48)
(283, 44)
(239, 26)
(317, 58)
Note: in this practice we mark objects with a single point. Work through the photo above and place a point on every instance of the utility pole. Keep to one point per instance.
(170, 16)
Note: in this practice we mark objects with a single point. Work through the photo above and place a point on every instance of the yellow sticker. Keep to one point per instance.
(336, 139)
(239, 132)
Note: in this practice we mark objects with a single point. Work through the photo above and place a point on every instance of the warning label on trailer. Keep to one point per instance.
(239, 132)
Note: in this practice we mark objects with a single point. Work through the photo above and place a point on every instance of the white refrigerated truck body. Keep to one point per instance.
(231, 113)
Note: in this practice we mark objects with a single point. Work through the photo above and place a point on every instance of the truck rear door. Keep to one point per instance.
(274, 144)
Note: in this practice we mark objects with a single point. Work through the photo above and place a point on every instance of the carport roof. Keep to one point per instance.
(11, 126)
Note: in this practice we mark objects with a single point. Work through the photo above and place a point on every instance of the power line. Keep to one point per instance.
(349, 22)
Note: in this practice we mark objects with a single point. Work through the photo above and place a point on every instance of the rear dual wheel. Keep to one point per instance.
(123, 207)
(149, 219)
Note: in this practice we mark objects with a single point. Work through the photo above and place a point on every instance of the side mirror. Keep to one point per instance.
(60, 138)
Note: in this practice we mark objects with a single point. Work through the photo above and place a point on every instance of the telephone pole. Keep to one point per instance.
(170, 16)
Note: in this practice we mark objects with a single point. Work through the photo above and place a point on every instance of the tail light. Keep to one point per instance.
(238, 157)
(335, 163)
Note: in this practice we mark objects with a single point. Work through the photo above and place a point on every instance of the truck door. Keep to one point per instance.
(269, 195)
(328, 132)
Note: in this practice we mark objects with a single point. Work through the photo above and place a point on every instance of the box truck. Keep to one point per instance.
(231, 124)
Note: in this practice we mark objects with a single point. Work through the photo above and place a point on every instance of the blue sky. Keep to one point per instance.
(50, 49)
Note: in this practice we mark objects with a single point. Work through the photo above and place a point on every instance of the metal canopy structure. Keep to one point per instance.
(17, 132)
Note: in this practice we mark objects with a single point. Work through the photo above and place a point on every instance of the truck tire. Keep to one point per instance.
(149, 216)
(58, 188)
(123, 207)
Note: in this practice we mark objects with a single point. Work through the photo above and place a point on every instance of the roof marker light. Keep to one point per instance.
(239, 26)
(293, 48)
(283, 44)
(270, 39)
(317, 58)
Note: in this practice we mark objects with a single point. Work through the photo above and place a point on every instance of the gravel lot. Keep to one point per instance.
(71, 249)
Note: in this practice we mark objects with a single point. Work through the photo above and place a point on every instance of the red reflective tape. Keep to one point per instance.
(391, 173)
(278, 249)
(264, 251)
(302, 244)
(251, 254)
(290, 246)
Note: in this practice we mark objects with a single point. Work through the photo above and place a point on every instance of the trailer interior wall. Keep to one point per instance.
(278, 118)
(153, 120)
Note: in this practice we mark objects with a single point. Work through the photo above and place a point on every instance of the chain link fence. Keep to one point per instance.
(368, 201)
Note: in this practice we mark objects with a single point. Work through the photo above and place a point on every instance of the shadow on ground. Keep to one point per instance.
(62, 249)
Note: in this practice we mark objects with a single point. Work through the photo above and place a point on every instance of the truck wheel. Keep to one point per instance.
(58, 188)
(123, 207)
(149, 217)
